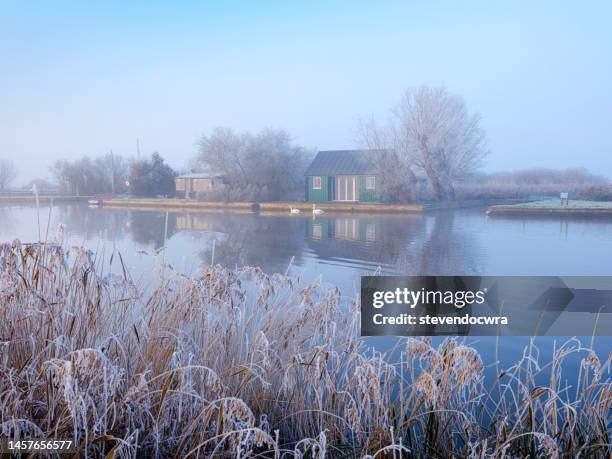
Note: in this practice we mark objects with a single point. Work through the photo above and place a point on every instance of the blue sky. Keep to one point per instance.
(83, 78)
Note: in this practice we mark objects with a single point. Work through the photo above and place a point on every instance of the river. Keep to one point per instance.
(336, 249)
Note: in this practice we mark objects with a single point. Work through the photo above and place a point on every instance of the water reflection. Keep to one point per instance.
(92, 223)
(340, 246)
(249, 239)
(7, 224)
(142, 227)
(273, 241)
(152, 227)
(443, 248)
(370, 241)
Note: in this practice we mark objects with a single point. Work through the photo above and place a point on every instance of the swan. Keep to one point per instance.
(316, 211)
(294, 211)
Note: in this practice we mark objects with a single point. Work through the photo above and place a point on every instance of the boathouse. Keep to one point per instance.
(344, 176)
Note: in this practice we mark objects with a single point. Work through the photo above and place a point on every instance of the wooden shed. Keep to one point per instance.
(343, 175)
(196, 185)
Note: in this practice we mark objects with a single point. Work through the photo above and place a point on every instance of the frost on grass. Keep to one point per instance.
(236, 363)
(556, 204)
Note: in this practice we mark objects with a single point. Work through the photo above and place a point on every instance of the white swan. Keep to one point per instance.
(317, 211)
(294, 211)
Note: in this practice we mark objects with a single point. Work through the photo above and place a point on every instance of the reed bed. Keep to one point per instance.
(237, 363)
(499, 189)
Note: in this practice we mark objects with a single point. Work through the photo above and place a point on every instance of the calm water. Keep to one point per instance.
(337, 249)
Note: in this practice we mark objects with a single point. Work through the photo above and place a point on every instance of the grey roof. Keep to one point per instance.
(197, 175)
(343, 162)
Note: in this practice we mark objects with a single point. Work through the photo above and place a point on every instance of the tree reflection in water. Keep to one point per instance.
(7, 224)
(151, 228)
(252, 240)
(399, 244)
(440, 249)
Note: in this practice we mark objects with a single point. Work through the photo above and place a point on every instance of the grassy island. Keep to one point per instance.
(554, 207)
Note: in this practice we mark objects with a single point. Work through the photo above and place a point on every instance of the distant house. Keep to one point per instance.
(343, 175)
(197, 185)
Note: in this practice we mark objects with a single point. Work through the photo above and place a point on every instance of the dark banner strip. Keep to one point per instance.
(486, 306)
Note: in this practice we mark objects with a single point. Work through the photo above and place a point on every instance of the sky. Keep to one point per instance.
(85, 78)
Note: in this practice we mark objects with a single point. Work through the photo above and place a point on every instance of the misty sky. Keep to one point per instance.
(78, 78)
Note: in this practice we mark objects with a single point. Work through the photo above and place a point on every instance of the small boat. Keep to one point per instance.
(98, 199)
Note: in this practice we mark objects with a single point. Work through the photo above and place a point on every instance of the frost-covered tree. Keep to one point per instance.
(8, 172)
(431, 131)
(115, 168)
(435, 130)
(389, 161)
(265, 165)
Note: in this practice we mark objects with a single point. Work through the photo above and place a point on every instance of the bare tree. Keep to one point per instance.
(433, 128)
(8, 172)
(87, 176)
(258, 166)
(82, 177)
(116, 170)
(224, 151)
(389, 161)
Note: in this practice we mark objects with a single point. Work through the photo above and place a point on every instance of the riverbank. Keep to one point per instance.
(554, 207)
(468, 203)
(31, 199)
(177, 204)
(341, 207)
(285, 206)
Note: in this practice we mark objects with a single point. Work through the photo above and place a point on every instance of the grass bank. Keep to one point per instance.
(177, 204)
(349, 207)
(31, 199)
(278, 206)
(554, 207)
(237, 363)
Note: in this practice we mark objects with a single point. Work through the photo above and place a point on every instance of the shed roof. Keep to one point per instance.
(343, 162)
(197, 175)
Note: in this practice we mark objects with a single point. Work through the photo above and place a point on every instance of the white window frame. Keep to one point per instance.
(316, 182)
(370, 182)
